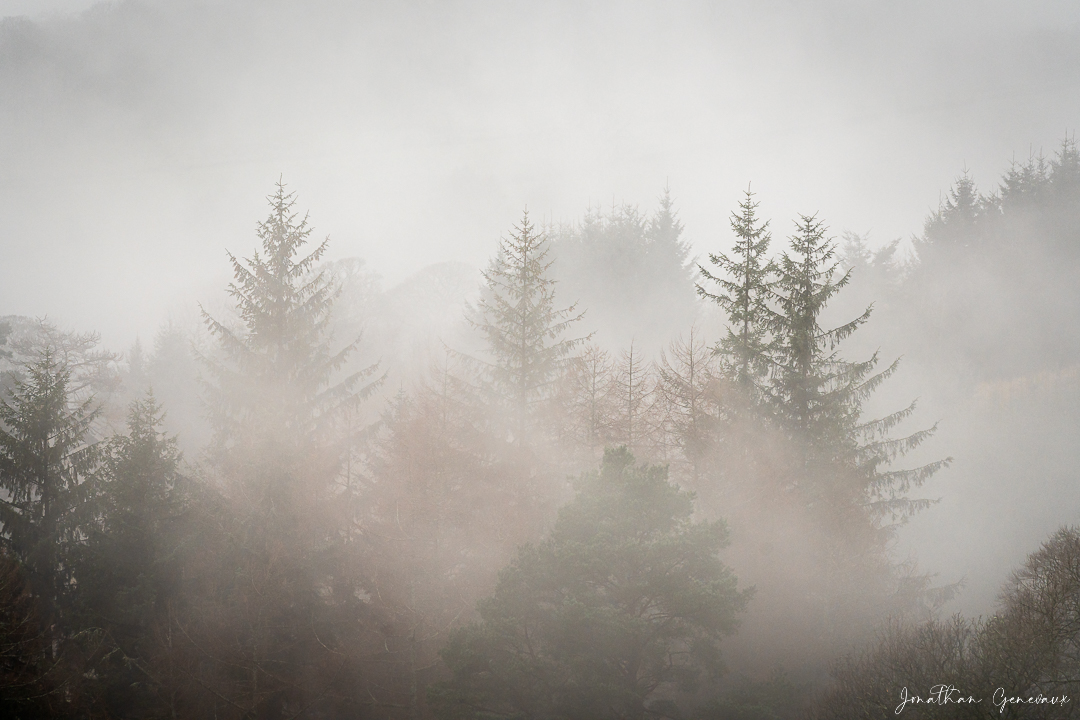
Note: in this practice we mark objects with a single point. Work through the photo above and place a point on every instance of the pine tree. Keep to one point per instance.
(671, 269)
(293, 581)
(522, 326)
(131, 569)
(274, 394)
(46, 458)
(624, 603)
(743, 290)
(956, 221)
(1024, 184)
(1065, 169)
(807, 371)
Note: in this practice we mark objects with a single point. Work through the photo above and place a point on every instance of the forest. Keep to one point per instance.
(601, 479)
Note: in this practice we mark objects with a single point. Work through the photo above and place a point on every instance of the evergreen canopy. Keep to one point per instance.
(625, 599)
(276, 381)
(522, 325)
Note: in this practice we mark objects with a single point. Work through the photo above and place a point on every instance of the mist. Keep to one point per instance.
(141, 140)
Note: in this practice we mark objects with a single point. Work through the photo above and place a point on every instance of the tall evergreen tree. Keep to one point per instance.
(667, 252)
(813, 390)
(46, 458)
(743, 290)
(276, 384)
(817, 396)
(522, 325)
(132, 566)
(293, 586)
(1065, 169)
(957, 217)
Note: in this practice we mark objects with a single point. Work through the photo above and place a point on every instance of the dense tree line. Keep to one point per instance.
(333, 547)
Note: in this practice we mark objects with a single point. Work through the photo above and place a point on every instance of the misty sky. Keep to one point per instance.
(139, 139)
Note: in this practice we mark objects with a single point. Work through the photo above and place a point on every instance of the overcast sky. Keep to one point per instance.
(138, 140)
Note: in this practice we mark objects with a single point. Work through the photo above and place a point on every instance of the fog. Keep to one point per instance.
(139, 141)
(139, 138)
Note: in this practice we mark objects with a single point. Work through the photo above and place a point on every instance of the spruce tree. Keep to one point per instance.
(668, 256)
(817, 396)
(46, 458)
(958, 217)
(523, 327)
(131, 569)
(743, 285)
(293, 582)
(274, 393)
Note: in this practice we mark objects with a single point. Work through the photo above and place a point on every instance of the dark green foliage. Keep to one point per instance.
(971, 294)
(45, 461)
(132, 566)
(814, 392)
(956, 218)
(818, 396)
(623, 604)
(30, 685)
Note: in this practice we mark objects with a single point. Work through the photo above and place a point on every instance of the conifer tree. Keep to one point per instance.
(743, 291)
(632, 271)
(817, 396)
(46, 458)
(668, 254)
(275, 390)
(633, 390)
(589, 401)
(625, 602)
(957, 217)
(687, 379)
(294, 585)
(807, 370)
(523, 327)
(131, 568)
(1065, 168)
